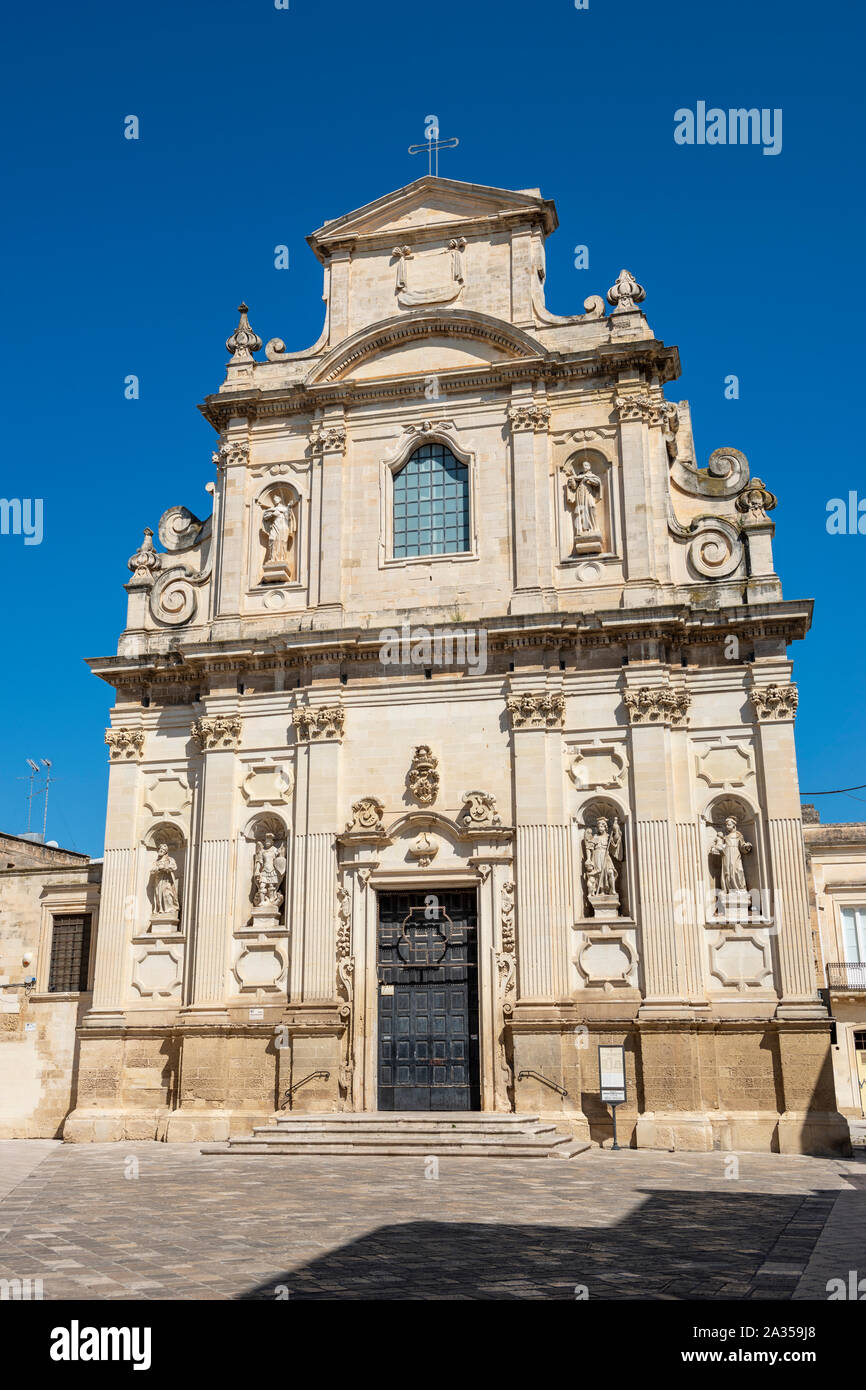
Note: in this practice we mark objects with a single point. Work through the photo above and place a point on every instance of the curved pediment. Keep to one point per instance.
(461, 338)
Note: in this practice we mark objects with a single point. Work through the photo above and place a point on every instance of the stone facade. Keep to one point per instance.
(604, 656)
(38, 1044)
(836, 856)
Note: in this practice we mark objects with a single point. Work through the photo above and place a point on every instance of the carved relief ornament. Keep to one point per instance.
(328, 439)
(480, 811)
(366, 817)
(422, 778)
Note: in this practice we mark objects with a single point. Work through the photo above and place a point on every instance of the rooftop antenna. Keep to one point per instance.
(31, 778)
(46, 763)
(432, 144)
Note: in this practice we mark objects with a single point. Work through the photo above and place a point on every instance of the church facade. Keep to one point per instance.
(458, 739)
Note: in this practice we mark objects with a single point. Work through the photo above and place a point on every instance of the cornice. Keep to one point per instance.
(676, 625)
(303, 398)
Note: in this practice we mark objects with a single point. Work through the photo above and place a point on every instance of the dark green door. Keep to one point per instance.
(428, 1001)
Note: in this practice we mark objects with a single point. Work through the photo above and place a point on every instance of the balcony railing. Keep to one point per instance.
(841, 975)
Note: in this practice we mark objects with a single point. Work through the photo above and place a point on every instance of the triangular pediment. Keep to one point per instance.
(433, 205)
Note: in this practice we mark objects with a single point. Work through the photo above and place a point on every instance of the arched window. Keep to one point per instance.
(431, 504)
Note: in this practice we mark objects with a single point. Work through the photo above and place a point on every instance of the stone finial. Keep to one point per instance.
(625, 293)
(810, 813)
(145, 562)
(755, 500)
(243, 342)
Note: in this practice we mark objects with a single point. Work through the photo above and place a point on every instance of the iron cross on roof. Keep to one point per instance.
(432, 144)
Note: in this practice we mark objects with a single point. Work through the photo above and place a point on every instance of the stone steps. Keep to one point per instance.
(462, 1135)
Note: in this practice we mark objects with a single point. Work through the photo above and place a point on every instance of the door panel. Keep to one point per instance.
(428, 1001)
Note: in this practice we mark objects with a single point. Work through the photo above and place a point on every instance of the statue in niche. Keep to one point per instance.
(583, 496)
(602, 853)
(280, 525)
(269, 866)
(166, 901)
(730, 845)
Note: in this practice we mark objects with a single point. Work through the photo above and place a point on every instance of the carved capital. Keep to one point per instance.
(544, 710)
(124, 743)
(659, 705)
(531, 416)
(328, 439)
(651, 410)
(230, 453)
(773, 702)
(319, 722)
(217, 731)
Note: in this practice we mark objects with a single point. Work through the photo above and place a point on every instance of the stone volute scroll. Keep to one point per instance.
(279, 530)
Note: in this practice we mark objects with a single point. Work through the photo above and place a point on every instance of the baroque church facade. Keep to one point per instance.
(458, 739)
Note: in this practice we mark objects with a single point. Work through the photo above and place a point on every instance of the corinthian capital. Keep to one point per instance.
(531, 416)
(328, 439)
(544, 710)
(657, 705)
(124, 743)
(217, 731)
(319, 722)
(774, 701)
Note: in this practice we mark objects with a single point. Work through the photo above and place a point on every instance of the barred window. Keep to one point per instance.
(70, 953)
(431, 504)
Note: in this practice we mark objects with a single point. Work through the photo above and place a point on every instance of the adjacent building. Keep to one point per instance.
(836, 854)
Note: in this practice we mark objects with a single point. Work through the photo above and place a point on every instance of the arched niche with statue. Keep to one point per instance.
(586, 481)
(262, 867)
(604, 859)
(277, 517)
(164, 854)
(734, 862)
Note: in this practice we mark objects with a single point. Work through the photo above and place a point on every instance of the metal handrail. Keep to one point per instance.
(847, 975)
(546, 1079)
(291, 1091)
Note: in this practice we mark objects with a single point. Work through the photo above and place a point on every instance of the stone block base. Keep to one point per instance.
(812, 1132)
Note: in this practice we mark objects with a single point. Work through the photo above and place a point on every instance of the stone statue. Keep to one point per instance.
(268, 869)
(602, 852)
(731, 845)
(280, 525)
(582, 493)
(166, 902)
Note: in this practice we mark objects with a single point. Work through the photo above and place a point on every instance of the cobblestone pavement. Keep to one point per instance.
(163, 1221)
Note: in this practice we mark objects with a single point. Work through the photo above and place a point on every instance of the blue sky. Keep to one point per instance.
(256, 125)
